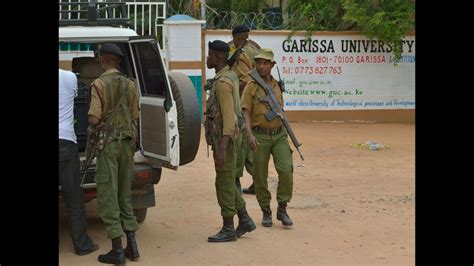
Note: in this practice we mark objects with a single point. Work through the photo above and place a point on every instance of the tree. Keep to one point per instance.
(239, 6)
(220, 5)
(248, 5)
(322, 15)
(387, 20)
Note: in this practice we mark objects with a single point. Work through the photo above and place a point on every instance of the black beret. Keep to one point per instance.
(109, 48)
(240, 29)
(219, 46)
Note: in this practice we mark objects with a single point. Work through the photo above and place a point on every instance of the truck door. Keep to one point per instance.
(159, 136)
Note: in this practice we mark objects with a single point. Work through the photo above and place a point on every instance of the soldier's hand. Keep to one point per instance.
(93, 120)
(253, 143)
(219, 160)
(242, 86)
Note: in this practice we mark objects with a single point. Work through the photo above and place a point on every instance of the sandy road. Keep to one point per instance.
(350, 206)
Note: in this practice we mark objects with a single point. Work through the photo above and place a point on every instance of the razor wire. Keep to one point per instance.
(216, 19)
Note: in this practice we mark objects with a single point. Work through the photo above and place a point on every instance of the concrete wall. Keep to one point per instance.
(376, 90)
(381, 116)
(186, 52)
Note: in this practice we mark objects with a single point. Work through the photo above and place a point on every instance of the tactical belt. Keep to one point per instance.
(267, 131)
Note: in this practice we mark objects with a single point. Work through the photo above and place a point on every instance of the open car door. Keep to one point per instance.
(158, 125)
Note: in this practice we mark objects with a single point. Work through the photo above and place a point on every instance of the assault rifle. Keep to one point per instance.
(235, 55)
(280, 82)
(91, 149)
(276, 109)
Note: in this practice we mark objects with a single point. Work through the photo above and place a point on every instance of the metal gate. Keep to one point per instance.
(146, 18)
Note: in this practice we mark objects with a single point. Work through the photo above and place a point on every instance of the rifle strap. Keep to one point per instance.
(235, 56)
(254, 74)
(93, 86)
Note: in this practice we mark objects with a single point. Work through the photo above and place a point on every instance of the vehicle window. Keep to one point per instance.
(126, 66)
(75, 47)
(150, 69)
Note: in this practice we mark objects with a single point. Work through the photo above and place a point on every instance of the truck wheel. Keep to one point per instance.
(140, 214)
(189, 121)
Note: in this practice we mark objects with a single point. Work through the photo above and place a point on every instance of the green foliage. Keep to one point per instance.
(238, 6)
(178, 6)
(387, 20)
(312, 15)
(244, 12)
(247, 5)
(220, 5)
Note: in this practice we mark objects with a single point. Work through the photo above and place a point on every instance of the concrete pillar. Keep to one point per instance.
(183, 41)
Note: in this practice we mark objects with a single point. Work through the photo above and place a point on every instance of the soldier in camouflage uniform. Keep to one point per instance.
(114, 114)
(222, 129)
(242, 61)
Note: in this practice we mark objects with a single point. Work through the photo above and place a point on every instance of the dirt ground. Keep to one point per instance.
(350, 206)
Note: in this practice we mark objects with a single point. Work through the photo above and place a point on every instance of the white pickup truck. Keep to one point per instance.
(169, 123)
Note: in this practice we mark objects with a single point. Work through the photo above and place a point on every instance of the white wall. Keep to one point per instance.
(338, 80)
(184, 42)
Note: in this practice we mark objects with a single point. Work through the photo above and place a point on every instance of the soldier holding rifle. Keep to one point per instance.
(267, 131)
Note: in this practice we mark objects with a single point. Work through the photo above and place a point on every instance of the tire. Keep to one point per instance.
(189, 120)
(140, 214)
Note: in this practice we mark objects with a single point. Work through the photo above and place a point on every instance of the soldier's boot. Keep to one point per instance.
(239, 186)
(249, 190)
(267, 217)
(246, 223)
(282, 215)
(131, 251)
(227, 233)
(116, 255)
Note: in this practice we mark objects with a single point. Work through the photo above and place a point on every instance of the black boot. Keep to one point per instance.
(249, 190)
(131, 251)
(282, 215)
(116, 255)
(227, 233)
(239, 186)
(246, 223)
(267, 217)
